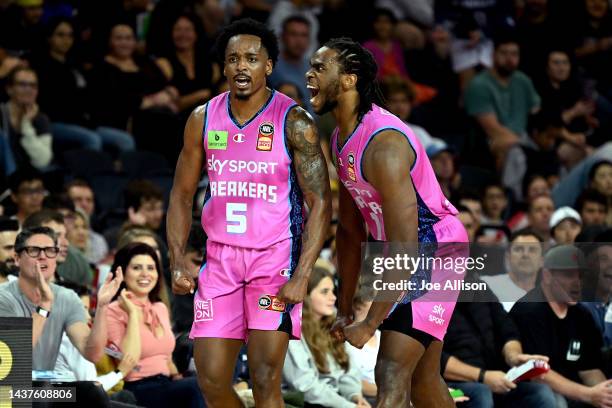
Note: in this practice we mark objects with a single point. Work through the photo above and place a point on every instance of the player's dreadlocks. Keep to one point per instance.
(355, 59)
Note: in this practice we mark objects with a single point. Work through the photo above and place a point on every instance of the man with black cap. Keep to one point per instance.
(552, 324)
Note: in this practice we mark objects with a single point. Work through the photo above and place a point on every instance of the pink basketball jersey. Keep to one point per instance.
(432, 204)
(253, 198)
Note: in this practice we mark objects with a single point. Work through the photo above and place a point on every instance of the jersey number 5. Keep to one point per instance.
(235, 213)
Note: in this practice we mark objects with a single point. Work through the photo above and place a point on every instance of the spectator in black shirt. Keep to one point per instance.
(188, 66)
(551, 323)
(482, 342)
(139, 94)
(62, 94)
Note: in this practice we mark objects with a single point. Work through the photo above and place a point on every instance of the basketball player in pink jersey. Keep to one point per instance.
(263, 159)
(388, 190)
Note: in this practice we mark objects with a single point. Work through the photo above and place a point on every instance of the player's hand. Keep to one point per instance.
(358, 333)
(182, 281)
(294, 291)
(110, 287)
(337, 329)
(497, 382)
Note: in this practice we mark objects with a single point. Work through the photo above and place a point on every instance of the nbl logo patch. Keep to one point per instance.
(351, 166)
(271, 302)
(265, 137)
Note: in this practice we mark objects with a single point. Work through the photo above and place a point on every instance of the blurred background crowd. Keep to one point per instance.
(512, 100)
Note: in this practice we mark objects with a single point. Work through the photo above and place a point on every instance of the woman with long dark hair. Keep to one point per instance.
(139, 324)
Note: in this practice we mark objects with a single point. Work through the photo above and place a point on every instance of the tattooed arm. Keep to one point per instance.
(311, 169)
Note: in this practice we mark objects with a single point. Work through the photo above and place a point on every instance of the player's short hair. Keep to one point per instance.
(250, 27)
(355, 59)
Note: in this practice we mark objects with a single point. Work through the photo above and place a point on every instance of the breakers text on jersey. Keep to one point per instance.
(230, 188)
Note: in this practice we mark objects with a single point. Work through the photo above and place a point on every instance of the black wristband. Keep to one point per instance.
(43, 312)
(481, 375)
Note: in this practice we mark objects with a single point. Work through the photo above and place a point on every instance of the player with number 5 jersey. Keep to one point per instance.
(264, 162)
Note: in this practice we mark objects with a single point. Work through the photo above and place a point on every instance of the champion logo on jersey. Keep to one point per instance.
(238, 138)
(265, 137)
(351, 166)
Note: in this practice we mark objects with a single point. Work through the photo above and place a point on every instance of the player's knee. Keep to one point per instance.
(211, 386)
(266, 378)
(392, 376)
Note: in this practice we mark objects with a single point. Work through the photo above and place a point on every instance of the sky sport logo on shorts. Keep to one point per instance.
(437, 314)
(271, 302)
(202, 310)
(265, 137)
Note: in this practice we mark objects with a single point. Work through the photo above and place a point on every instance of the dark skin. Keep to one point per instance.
(246, 66)
(402, 361)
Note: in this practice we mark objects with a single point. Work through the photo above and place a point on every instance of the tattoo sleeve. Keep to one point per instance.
(311, 168)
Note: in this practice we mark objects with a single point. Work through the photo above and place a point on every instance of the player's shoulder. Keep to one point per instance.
(298, 117)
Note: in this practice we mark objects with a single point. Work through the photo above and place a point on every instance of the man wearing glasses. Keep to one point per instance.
(52, 308)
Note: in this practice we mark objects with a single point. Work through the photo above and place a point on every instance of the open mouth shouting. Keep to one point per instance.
(242, 81)
(314, 92)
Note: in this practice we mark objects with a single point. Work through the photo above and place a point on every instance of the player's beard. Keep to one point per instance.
(331, 98)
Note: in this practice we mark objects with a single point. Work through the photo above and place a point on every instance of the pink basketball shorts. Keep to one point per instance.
(237, 290)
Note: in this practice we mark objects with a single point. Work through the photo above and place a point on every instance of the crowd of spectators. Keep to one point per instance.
(512, 101)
